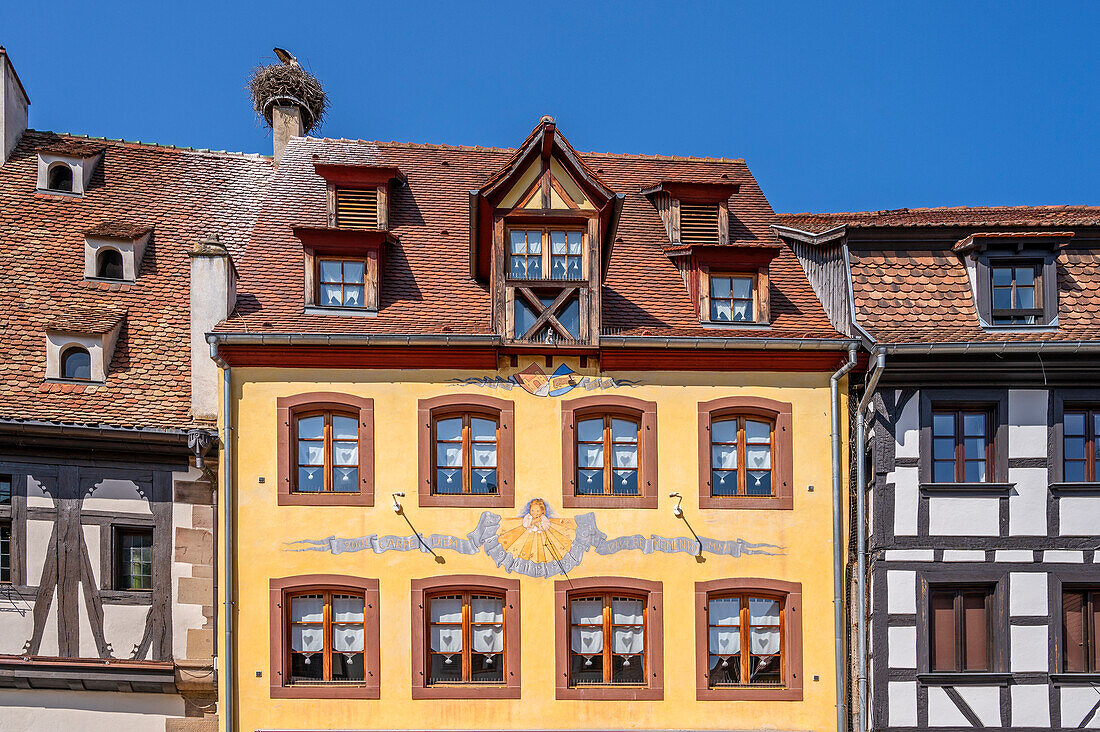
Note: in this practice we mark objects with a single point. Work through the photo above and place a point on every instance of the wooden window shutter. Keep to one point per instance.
(942, 618)
(356, 208)
(699, 223)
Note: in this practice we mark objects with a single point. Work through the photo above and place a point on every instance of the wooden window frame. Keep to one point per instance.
(639, 410)
(1090, 628)
(959, 459)
(280, 591)
(996, 580)
(741, 444)
(422, 590)
(780, 414)
(790, 594)
(754, 298)
(958, 626)
(995, 402)
(326, 442)
(287, 411)
(1092, 463)
(500, 410)
(1014, 312)
(318, 259)
(13, 513)
(117, 533)
(546, 254)
(6, 531)
(652, 593)
(1046, 296)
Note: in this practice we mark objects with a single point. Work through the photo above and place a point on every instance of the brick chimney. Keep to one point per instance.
(213, 298)
(286, 122)
(13, 107)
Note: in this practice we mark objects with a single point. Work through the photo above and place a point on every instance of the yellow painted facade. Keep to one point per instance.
(263, 528)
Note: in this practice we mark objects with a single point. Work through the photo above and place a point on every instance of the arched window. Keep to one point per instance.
(76, 363)
(745, 453)
(60, 177)
(109, 265)
(325, 450)
(609, 453)
(466, 445)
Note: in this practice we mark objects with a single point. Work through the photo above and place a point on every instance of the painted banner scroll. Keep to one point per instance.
(535, 544)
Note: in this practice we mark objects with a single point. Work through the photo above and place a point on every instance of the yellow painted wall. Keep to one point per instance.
(263, 527)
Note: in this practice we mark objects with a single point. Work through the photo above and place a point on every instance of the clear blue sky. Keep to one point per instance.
(865, 106)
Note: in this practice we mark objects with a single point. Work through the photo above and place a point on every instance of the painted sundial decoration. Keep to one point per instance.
(534, 380)
(535, 543)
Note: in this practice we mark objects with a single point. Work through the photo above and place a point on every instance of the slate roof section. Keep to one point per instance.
(426, 283)
(185, 196)
(918, 290)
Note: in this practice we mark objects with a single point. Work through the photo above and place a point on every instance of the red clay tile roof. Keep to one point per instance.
(186, 195)
(116, 229)
(426, 283)
(69, 147)
(816, 223)
(93, 321)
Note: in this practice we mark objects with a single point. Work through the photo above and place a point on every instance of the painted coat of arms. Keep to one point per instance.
(534, 380)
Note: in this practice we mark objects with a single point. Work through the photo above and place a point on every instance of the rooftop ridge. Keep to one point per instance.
(162, 146)
(484, 148)
(948, 209)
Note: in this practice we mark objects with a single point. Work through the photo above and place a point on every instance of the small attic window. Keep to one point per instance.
(731, 298)
(699, 223)
(1017, 292)
(109, 265)
(76, 363)
(60, 177)
(356, 208)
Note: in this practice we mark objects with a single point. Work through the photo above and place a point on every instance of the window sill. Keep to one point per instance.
(766, 503)
(363, 498)
(458, 691)
(964, 678)
(466, 500)
(340, 312)
(1074, 488)
(972, 489)
(321, 691)
(1073, 679)
(747, 693)
(51, 192)
(630, 502)
(728, 325)
(109, 280)
(610, 693)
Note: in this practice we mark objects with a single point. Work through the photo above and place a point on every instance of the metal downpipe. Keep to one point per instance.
(838, 544)
(861, 542)
(226, 711)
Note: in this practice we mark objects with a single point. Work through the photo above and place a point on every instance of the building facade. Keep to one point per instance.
(525, 439)
(106, 522)
(983, 509)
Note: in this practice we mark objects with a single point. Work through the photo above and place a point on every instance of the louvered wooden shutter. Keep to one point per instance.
(698, 223)
(356, 209)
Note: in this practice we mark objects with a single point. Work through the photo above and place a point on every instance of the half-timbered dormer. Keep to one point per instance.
(540, 235)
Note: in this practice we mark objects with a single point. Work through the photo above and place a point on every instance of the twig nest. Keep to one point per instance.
(284, 84)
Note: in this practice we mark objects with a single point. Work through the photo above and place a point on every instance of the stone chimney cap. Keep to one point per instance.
(209, 246)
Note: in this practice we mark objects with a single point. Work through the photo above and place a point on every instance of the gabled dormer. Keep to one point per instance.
(113, 251)
(343, 261)
(66, 166)
(728, 283)
(1014, 276)
(540, 235)
(80, 343)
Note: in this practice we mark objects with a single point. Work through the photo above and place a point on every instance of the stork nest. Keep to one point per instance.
(286, 84)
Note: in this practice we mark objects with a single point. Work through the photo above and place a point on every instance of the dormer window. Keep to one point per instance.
(113, 250)
(356, 208)
(80, 343)
(731, 298)
(1017, 293)
(60, 178)
(1014, 276)
(109, 265)
(342, 283)
(546, 254)
(76, 363)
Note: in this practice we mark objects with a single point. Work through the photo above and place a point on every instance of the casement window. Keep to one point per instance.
(356, 208)
(554, 254)
(609, 453)
(5, 552)
(325, 450)
(1080, 446)
(76, 363)
(133, 559)
(1017, 292)
(745, 453)
(341, 283)
(611, 639)
(1080, 623)
(466, 444)
(699, 223)
(328, 452)
(324, 637)
(731, 298)
(465, 637)
(959, 626)
(741, 456)
(748, 639)
(962, 446)
(466, 454)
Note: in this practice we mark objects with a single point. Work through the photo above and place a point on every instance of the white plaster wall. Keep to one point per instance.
(87, 647)
(1063, 556)
(82, 170)
(985, 701)
(942, 712)
(1029, 647)
(1030, 706)
(910, 555)
(906, 498)
(901, 591)
(902, 642)
(112, 494)
(1027, 504)
(1027, 593)
(13, 111)
(132, 253)
(28, 709)
(123, 626)
(91, 540)
(907, 429)
(50, 645)
(963, 555)
(955, 516)
(36, 495)
(16, 621)
(1078, 515)
(213, 297)
(38, 541)
(1014, 555)
(1077, 701)
(1027, 423)
(902, 696)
